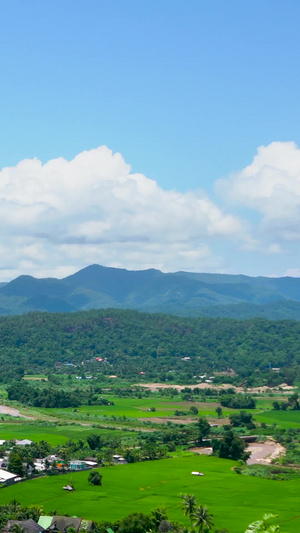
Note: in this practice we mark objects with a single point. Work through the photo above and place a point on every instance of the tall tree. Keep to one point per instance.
(202, 519)
(15, 464)
(230, 447)
(189, 504)
(219, 411)
(204, 429)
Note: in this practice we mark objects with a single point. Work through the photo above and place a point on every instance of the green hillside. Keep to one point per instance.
(129, 342)
(180, 293)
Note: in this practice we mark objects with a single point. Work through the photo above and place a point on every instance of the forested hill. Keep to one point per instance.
(180, 293)
(161, 346)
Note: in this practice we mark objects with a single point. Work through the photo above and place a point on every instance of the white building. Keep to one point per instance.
(7, 477)
(24, 442)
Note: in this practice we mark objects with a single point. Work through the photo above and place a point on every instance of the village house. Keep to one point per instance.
(28, 526)
(40, 465)
(91, 462)
(61, 524)
(78, 465)
(24, 442)
(4, 462)
(56, 461)
(119, 460)
(8, 478)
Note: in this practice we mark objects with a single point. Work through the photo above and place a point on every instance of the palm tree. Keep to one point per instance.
(14, 504)
(189, 504)
(202, 519)
(262, 525)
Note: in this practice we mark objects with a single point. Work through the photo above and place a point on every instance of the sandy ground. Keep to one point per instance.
(264, 452)
(5, 410)
(261, 452)
(156, 386)
(219, 421)
(201, 451)
(285, 389)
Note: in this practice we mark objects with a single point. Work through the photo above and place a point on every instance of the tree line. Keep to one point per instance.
(157, 521)
(54, 397)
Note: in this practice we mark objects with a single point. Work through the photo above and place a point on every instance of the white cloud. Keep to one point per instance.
(64, 215)
(271, 186)
(293, 272)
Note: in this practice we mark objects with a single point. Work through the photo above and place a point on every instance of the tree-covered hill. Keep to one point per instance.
(180, 293)
(129, 342)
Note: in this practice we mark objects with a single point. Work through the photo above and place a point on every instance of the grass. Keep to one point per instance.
(138, 408)
(283, 419)
(55, 434)
(234, 500)
(134, 409)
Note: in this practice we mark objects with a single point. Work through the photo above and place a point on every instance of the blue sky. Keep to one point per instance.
(186, 92)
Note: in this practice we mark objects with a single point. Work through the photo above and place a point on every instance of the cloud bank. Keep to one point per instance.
(63, 215)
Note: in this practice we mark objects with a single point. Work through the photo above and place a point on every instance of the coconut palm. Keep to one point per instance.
(14, 506)
(262, 525)
(202, 519)
(189, 504)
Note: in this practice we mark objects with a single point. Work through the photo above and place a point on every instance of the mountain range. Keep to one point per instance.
(179, 293)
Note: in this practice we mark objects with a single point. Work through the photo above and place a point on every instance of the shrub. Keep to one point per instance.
(95, 478)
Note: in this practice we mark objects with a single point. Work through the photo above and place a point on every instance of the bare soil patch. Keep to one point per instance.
(284, 388)
(30, 378)
(5, 410)
(202, 406)
(256, 390)
(219, 421)
(264, 452)
(162, 420)
(156, 386)
(201, 450)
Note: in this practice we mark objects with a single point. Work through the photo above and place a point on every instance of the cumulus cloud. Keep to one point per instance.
(63, 215)
(271, 186)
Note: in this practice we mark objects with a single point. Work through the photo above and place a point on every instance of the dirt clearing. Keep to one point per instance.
(5, 410)
(264, 452)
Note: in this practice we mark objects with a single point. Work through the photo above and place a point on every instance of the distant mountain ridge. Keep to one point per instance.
(179, 293)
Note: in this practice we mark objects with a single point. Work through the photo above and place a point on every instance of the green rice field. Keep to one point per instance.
(234, 500)
(139, 408)
(284, 419)
(55, 434)
(135, 409)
